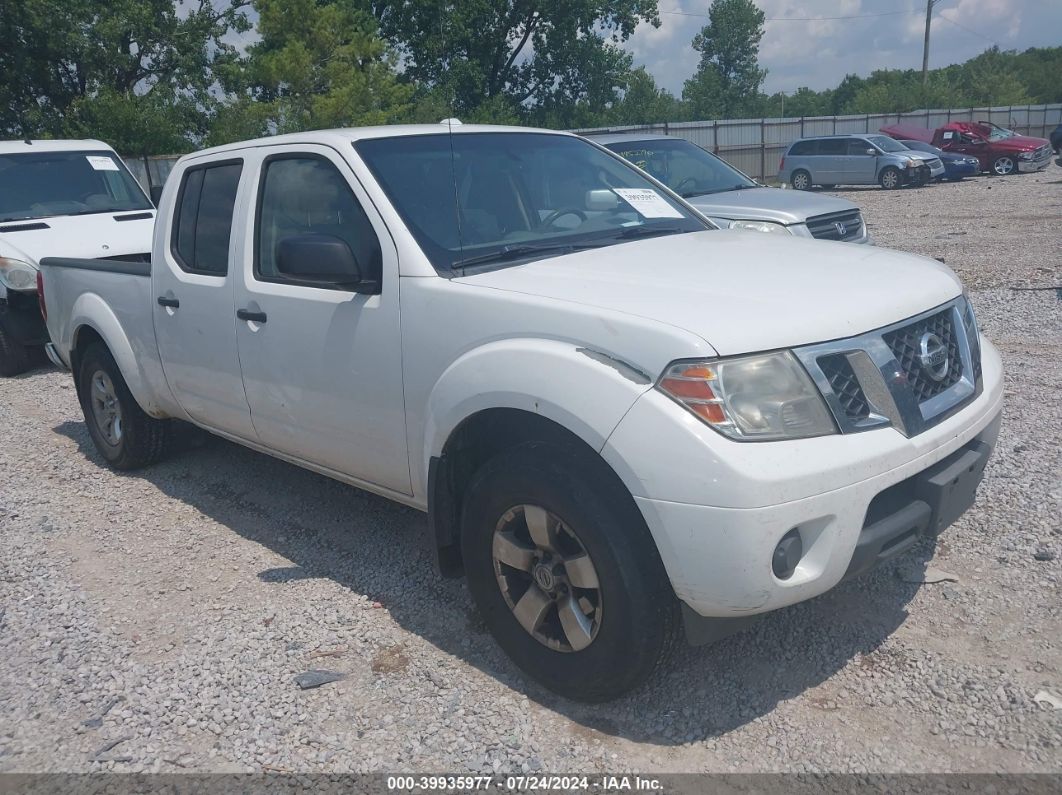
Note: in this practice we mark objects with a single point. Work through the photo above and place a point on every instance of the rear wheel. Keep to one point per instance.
(1004, 165)
(124, 435)
(890, 178)
(801, 180)
(14, 357)
(563, 569)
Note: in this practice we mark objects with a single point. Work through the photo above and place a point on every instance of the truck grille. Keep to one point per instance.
(847, 225)
(845, 385)
(879, 379)
(906, 346)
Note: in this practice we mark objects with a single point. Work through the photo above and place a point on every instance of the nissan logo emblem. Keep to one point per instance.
(933, 356)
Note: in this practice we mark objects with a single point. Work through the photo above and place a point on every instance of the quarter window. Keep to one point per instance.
(307, 195)
(203, 225)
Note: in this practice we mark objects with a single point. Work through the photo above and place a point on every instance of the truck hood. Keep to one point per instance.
(769, 204)
(740, 292)
(1018, 143)
(93, 236)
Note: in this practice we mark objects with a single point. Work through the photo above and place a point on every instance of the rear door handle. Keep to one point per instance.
(170, 302)
(247, 314)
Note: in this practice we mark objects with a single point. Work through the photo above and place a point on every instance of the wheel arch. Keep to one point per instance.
(476, 440)
(93, 321)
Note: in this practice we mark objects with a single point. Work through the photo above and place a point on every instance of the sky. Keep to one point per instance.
(819, 53)
(801, 48)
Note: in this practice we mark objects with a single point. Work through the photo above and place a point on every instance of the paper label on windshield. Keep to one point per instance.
(101, 163)
(647, 202)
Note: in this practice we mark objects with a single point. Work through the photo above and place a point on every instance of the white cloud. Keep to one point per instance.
(819, 53)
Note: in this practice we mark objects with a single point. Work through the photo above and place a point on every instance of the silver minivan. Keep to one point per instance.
(856, 160)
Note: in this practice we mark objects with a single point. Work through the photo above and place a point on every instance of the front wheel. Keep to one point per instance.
(124, 435)
(801, 180)
(890, 178)
(564, 572)
(1004, 166)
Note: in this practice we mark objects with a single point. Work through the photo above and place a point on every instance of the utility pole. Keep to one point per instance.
(925, 47)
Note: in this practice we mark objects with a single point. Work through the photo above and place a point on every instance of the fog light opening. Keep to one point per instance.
(787, 555)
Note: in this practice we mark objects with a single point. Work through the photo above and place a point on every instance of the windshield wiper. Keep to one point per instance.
(648, 231)
(515, 251)
(696, 193)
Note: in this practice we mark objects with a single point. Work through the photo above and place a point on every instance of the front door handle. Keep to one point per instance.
(247, 314)
(170, 302)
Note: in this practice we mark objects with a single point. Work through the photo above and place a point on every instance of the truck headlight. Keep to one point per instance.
(17, 275)
(761, 397)
(759, 226)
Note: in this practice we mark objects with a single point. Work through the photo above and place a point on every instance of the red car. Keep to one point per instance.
(999, 150)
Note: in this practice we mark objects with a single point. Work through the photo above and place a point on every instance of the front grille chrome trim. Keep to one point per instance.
(885, 386)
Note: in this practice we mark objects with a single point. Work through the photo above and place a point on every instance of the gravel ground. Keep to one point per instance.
(155, 621)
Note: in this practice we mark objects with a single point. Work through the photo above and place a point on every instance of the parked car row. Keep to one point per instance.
(622, 422)
(905, 155)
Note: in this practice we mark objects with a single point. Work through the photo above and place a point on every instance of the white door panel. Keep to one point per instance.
(322, 373)
(194, 317)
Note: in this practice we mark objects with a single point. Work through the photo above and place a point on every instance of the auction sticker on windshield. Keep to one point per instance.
(647, 202)
(101, 163)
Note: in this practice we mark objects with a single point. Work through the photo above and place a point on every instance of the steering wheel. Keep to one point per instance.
(553, 216)
(681, 185)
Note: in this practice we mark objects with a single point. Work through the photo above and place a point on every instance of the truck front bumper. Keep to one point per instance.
(855, 499)
(21, 317)
(1026, 166)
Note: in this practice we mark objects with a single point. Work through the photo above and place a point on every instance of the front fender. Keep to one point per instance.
(585, 391)
(91, 311)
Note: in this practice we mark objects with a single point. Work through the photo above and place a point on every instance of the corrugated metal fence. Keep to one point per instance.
(756, 145)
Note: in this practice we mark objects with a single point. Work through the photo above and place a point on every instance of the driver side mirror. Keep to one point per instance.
(322, 260)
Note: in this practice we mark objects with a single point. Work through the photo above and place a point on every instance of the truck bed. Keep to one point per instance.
(112, 299)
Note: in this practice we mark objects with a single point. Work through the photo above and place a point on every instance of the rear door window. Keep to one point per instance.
(202, 227)
(833, 146)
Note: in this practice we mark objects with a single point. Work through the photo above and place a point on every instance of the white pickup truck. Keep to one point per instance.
(60, 199)
(620, 420)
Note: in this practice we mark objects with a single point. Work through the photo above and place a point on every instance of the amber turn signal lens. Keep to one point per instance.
(698, 390)
(712, 412)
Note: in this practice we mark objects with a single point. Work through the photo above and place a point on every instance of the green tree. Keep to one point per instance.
(319, 63)
(728, 79)
(540, 59)
(75, 67)
(644, 103)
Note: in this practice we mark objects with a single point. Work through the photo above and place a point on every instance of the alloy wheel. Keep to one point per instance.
(1003, 166)
(547, 578)
(106, 410)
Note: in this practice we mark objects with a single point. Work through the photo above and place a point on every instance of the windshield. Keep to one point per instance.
(494, 198)
(682, 166)
(45, 184)
(886, 144)
(998, 133)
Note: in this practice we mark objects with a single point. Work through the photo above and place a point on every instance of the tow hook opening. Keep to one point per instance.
(787, 555)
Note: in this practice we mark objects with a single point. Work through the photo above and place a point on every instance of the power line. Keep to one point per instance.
(968, 30)
(801, 19)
